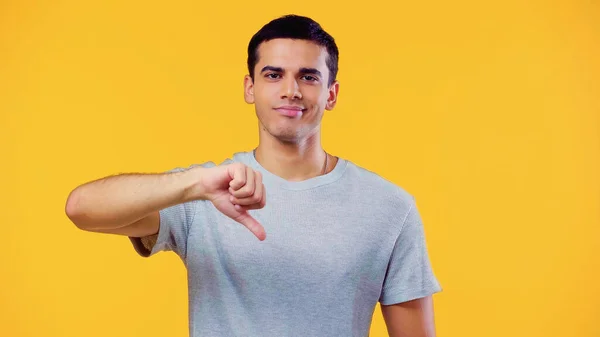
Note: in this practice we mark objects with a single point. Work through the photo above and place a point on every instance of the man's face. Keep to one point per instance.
(290, 89)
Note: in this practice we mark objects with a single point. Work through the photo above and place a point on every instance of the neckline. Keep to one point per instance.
(317, 181)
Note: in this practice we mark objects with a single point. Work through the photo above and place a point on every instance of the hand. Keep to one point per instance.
(234, 189)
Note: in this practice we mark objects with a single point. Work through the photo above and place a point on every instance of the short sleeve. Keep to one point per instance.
(174, 225)
(409, 274)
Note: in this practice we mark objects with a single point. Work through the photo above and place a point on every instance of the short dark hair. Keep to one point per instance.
(295, 27)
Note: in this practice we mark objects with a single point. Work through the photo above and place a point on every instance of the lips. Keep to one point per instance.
(290, 110)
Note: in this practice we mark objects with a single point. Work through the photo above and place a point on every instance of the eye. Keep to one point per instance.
(310, 78)
(272, 75)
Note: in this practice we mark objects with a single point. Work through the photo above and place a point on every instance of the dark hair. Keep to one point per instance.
(294, 27)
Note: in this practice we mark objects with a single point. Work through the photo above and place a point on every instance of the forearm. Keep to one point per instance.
(121, 200)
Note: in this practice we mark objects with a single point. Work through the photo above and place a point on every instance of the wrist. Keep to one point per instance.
(192, 184)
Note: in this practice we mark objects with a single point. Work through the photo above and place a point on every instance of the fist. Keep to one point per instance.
(234, 189)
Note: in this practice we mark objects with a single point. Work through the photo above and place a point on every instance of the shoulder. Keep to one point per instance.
(237, 157)
(379, 189)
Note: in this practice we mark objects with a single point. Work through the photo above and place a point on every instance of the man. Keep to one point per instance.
(286, 239)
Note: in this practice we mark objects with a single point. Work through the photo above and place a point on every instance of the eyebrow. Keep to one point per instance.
(271, 68)
(312, 71)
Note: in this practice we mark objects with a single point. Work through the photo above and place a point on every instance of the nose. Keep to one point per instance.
(290, 89)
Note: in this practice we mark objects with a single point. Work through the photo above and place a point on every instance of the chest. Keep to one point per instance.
(307, 248)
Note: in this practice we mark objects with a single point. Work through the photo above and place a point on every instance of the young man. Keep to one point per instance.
(286, 239)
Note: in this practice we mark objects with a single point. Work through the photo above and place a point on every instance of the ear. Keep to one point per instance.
(248, 89)
(334, 88)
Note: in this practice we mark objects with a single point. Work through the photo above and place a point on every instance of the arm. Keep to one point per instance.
(128, 204)
(406, 297)
(413, 318)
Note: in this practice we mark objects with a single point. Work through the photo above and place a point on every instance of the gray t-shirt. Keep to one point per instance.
(336, 245)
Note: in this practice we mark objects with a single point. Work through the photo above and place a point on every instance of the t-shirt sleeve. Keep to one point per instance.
(174, 225)
(409, 274)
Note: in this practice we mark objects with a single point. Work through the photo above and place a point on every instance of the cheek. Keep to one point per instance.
(312, 94)
(325, 96)
(263, 94)
(263, 104)
(259, 101)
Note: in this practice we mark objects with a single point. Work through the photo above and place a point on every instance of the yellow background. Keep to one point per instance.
(487, 112)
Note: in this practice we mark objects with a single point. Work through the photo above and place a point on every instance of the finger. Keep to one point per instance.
(263, 200)
(252, 202)
(248, 189)
(249, 222)
(242, 208)
(239, 176)
(252, 199)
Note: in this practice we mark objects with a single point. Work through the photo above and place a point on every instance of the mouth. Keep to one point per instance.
(290, 110)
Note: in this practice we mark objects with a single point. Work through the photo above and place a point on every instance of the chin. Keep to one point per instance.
(286, 130)
(287, 136)
(292, 134)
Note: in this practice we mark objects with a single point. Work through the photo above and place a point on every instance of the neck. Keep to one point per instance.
(293, 161)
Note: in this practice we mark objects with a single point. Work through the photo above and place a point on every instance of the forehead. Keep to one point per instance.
(289, 53)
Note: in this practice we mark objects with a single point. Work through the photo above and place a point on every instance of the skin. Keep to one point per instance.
(288, 72)
(294, 72)
(291, 72)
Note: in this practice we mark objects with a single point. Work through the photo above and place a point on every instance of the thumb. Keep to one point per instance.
(254, 226)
